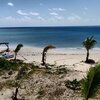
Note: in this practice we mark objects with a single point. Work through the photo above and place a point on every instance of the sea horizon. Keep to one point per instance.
(50, 26)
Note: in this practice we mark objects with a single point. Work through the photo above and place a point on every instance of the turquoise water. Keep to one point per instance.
(70, 37)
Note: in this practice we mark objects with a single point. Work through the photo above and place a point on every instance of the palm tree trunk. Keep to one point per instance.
(43, 58)
(87, 57)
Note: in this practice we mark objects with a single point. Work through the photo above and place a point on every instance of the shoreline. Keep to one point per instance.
(56, 50)
(73, 58)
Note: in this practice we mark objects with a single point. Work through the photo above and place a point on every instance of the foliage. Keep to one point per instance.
(61, 70)
(91, 82)
(88, 44)
(74, 84)
(7, 65)
(18, 47)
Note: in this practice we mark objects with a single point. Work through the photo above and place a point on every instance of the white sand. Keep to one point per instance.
(70, 57)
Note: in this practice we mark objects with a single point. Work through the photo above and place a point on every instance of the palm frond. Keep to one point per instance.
(48, 47)
(89, 42)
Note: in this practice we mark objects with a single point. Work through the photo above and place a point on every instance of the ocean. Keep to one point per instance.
(61, 37)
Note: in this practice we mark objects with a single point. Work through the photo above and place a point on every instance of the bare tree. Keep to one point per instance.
(7, 44)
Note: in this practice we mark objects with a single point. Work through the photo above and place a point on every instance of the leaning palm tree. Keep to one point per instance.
(19, 46)
(88, 44)
(45, 52)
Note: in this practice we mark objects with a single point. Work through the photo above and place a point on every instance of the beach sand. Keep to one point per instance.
(72, 59)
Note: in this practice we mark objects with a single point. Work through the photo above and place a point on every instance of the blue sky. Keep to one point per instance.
(49, 12)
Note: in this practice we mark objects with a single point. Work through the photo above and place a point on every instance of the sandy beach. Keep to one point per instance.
(72, 59)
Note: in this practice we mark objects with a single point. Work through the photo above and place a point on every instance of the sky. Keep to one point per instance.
(20, 13)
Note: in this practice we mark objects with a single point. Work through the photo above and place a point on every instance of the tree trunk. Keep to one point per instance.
(15, 96)
(87, 57)
(43, 58)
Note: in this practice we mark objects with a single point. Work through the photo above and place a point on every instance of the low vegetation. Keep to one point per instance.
(74, 84)
(9, 65)
(89, 85)
(91, 82)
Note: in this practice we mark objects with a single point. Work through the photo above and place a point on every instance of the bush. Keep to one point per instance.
(8, 65)
(74, 85)
(22, 73)
(91, 82)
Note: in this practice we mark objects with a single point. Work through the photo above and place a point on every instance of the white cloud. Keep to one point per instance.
(59, 9)
(56, 9)
(53, 13)
(8, 17)
(10, 4)
(18, 21)
(22, 13)
(74, 18)
(40, 21)
(56, 19)
(34, 13)
(59, 17)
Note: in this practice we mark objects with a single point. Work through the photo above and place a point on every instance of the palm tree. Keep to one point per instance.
(44, 53)
(89, 44)
(19, 46)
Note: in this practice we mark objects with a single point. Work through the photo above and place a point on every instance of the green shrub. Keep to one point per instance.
(61, 70)
(7, 65)
(91, 82)
(74, 84)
